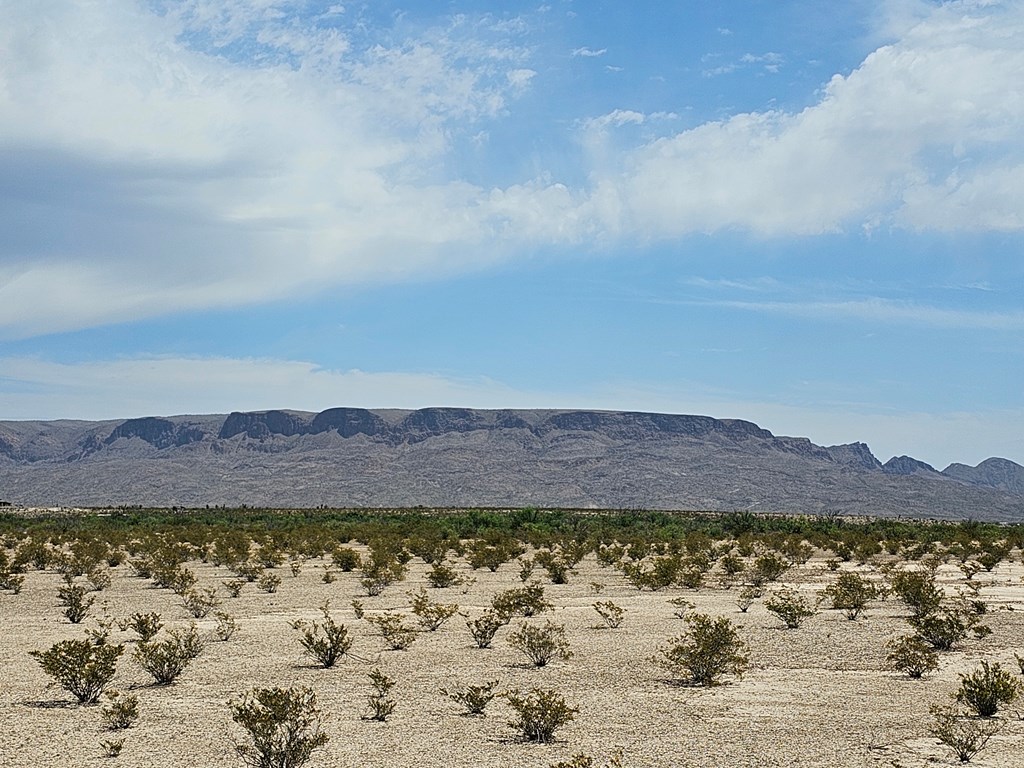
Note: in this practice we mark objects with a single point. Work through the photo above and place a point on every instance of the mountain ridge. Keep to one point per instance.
(472, 457)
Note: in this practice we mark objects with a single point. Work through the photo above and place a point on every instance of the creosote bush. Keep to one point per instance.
(612, 614)
(912, 655)
(524, 601)
(917, 589)
(431, 615)
(121, 712)
(325, 643)
(485, 627)
(540, 713)
(987, 688)
(541, 644)
(474, 698)
(381, 705)
(80, 667)
(791, 607)
(396, 633)
(283, 725)
(851, 593)
(145, 625)
(166, 659)
(966, 736)
(710, 649)
(76, 604)
(226, 626)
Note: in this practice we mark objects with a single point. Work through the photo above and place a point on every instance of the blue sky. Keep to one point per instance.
(809, 215)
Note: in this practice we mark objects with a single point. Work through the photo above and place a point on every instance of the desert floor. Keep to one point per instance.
(819, 695)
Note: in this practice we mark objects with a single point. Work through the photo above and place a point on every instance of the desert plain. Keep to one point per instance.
(822, 694)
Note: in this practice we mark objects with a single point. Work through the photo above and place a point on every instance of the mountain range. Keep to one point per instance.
(458, 457)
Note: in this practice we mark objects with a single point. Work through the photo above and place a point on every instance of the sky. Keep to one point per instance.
(807, 215)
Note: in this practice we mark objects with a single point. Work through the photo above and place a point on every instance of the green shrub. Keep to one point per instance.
(769, 567)
(226, 626)
(199, 602)
(942, 629)
(442, 575)
(791, 607)
(912, 655)
(917, 589)
(474, 698)
(485, 627)
(851, 593)
(492, 554)
(710, 649)
(325, 643)
(966, 736)
(747, 597)
(234, 586)
(145, 625)
(610, 613)
(345, 559)
(121, 712)
(112, 747)
(654, 574)
(526, 601)
(381, 705)
(431, 615)
(165, 660)
(80, 667)
(76, 604)
(283, 725)
(269, 582)
(394, 630)
(539, 713)
(985, 689)
(541, 644)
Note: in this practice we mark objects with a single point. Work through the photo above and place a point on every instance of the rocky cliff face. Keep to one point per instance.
(466, 457)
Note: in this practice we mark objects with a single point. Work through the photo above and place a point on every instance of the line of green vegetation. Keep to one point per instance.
(537, 526)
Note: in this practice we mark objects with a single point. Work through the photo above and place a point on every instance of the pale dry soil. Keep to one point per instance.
(820, 695)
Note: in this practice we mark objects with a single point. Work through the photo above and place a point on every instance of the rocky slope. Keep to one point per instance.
(465, 457)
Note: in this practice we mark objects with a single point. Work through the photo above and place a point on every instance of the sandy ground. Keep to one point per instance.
(819, 695)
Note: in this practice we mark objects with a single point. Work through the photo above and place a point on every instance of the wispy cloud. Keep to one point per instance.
(884, 311)
(589, 52)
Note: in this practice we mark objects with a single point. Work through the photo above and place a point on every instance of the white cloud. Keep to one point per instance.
(924, 134)
(589, 52)
(124, 388)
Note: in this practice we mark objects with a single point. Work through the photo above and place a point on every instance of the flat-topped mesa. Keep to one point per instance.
(349, 422)
(262, 424)
(160, 433)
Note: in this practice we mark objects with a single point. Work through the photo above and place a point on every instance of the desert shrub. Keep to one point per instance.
(381, 705)
(112, 747)
(655, 574)
(769, 567)
(98, 577)
(12, 581)
(234, 586)
(442, 575)
(166, 659)
(917, 589)
(851, 593)
(539, 713)
(358, 609)
(283, 725)
(226, 626)
(324, 643)
(431, 615)
(199, 602)
(526, 601)
(710, 649)
(474, 698)
(328, 576)
(345, 559)
(555, 563)
(485, 627)
(248, 570)
(732, 564)
(378, 574)
(76, 604)
(582, 760)
(526, 568)
(121, 712)
(145, 625)
(610, 613)
(492, 554)
(541, 644)
(987, 688)
(791, 607)
(295, 566)
(966, 736)
(942, 629)
(269, 582)
(80, 667)
(912, 655)
(747, 597)
(396, 633)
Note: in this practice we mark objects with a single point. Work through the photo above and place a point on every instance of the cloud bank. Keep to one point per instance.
(157, 158)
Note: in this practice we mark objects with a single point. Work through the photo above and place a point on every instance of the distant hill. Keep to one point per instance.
(466, 457)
